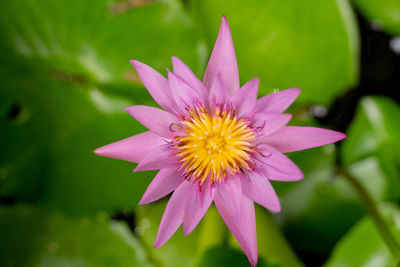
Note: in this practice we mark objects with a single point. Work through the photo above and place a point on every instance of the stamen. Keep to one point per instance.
(215, 145)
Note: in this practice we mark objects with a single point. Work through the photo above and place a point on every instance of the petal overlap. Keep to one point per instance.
(156, 120)
(155, 83)
(213, 141)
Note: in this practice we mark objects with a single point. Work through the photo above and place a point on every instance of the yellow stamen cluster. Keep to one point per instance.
(214, 144)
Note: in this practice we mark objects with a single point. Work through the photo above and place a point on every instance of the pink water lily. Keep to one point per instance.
(214, 142)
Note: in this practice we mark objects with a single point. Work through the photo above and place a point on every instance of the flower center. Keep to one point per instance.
(214, 145)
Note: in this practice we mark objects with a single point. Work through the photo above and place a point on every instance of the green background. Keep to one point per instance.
(65, 79)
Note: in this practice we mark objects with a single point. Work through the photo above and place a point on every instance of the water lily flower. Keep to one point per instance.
(214, 142)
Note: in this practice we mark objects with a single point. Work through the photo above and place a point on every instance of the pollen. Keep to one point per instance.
(214, 145)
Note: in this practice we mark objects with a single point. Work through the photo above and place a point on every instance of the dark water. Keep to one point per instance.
(379, 74)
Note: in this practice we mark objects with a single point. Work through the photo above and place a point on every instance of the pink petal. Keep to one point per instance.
(188, 76)
(293, 138)
(218, 93)
(245, 98)
(277, 166)
(277, 102)
(259, 189)
(155, 83)
(183, 94)
(133, 148)
(159, 158)
(223, 61)
(270, 122)
(163, 183)
(237, 211)
(196, 206)
(154, 119)
(173, 214)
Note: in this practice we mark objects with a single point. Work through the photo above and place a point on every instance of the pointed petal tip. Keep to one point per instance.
(253, 262)
(255, 81)
(102, 151)
(186, 229)
(128, 109)
(336, 136)
(277, 208)
(141, 203)
(174, 58)
(97, 151)
(224, 28)
(223, 60)
(160, 241)
(157, 244)
(342, 136)
(294, 91)
(135, 63)
(300, 177)
(145, 200)
(224, 19)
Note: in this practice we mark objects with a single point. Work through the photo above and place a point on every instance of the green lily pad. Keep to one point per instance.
(65, 82)
(311, 45)
(375, 127)
(318, 210)
(364, 246)
(223, 256)
(48, 136)
(384, 12)
(374, 133)
(31, 237)
(96, 39)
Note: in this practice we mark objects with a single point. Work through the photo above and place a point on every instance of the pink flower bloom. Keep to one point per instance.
(214, 141)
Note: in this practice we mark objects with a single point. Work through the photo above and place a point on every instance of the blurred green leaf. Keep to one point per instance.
(223, 256)
(319, 209)
(96, 39)
(32, 237)
(47, 140)
(375, 133)
(66, 80)
(384, 12)
(375, 127)
(329, 206)
(363, 245)
(313, 45)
